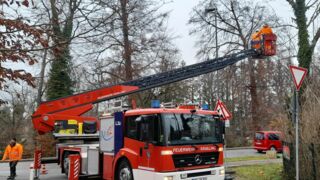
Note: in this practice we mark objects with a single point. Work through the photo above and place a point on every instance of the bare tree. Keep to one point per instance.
(16, 115)
(131, 42)
(132, 34)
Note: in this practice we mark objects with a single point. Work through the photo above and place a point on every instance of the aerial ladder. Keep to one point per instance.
(74, 106)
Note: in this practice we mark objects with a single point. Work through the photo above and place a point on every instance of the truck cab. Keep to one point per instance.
(173, 144)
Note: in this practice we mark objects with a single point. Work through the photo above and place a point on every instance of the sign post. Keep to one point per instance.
(298, 75)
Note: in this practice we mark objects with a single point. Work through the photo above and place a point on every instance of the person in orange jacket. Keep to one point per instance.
(14, 153)
(258, 36)
(255, 40)
(266, 29)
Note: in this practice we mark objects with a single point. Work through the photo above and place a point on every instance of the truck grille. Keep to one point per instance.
(188, 160)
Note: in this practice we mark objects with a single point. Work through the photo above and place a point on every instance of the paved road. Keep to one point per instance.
(23, 172)
(242, 153)
(54, 170)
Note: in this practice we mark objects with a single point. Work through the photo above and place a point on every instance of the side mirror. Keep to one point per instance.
(220, 127)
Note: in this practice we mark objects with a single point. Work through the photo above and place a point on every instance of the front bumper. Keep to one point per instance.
(216, 173)
(261, 148)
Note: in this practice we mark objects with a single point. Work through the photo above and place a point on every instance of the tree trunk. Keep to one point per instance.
(127, 46)
(305, 51)
(41, 81)
(60, 83)
(254, 95)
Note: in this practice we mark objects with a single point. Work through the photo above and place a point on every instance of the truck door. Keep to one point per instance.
(149, 134)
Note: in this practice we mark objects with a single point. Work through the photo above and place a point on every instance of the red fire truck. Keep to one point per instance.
(158, 143)
(162, 143)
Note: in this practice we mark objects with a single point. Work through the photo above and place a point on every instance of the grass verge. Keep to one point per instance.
(261, 172)
(250, 158)
(246, 158)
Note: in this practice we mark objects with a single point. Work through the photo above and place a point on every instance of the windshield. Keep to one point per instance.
(183, 129)
(259, 136)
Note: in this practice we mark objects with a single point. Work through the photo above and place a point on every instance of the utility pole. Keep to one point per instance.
(215, 11)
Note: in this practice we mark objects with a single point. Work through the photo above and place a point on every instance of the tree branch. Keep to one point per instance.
(309, 4)
(314, 15)
(213, 25)
(315, 40)
(55, 18)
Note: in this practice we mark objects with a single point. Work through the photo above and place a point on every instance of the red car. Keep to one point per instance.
(267, 140)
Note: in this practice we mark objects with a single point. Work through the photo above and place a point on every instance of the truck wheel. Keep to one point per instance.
(124, 171)
(259, 151)
(273, 148)
(66, 163)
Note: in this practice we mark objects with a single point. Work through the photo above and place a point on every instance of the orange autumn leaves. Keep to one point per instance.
(18, 42)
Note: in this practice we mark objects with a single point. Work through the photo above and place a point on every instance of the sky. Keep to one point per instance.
(178, 23)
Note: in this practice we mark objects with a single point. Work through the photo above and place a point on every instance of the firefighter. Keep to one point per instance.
(255, 40)
(266, 30)
(14, 153)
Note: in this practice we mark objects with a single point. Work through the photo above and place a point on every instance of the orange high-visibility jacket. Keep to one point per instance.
(13, 153)
(255, 36)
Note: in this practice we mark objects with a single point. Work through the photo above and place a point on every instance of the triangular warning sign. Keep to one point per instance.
(222, 109)
(219, 109)
(298, 74)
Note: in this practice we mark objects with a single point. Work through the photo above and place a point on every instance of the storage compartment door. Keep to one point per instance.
(93, 161)
(107, 135)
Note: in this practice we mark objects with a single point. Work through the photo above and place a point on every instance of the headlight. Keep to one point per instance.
(166, 152)
(221, 172)
(168, 178)
(220, 149)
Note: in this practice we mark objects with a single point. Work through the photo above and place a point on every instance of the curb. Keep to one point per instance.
(253, 162)
(239, 148)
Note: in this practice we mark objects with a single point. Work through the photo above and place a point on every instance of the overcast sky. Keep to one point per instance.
(178, 19)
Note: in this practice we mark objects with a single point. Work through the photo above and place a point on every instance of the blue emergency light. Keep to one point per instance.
(155, 103)
(205, 107)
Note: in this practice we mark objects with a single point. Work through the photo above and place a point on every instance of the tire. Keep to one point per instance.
(124, 171)
(66, 163)
(259, 151)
